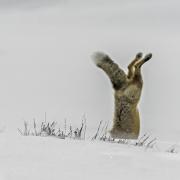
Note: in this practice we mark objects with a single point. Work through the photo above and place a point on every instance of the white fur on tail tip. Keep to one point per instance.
(98, 57)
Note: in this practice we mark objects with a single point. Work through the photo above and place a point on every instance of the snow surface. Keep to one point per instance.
(45, 64)
(36, 158)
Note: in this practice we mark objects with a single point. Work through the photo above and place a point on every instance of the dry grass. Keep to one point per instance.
(51, 129)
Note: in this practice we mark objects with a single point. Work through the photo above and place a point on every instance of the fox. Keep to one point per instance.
(127, 92)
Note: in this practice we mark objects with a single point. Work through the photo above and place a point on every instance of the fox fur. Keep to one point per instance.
(127, 93)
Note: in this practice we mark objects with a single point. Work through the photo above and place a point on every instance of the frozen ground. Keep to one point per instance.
(45, 64)
(36, 158)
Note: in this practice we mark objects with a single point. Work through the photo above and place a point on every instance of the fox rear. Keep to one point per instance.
(127, 93)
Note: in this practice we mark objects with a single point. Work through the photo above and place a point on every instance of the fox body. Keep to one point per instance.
(127, 93)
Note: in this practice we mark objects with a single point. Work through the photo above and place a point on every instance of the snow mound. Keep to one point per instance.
(51, 158)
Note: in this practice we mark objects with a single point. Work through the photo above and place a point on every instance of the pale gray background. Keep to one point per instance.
(45, 64)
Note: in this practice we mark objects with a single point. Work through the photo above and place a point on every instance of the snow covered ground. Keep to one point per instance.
(36, 158)
(45, 66)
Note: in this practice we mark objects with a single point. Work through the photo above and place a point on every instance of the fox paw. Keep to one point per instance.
(148, 57)
(139, 55)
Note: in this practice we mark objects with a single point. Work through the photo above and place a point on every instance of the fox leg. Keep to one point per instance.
(115, 74)
(137, 72)
(131, 67)
(145, 59)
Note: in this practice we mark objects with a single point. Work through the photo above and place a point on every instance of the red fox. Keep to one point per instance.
(127, 92)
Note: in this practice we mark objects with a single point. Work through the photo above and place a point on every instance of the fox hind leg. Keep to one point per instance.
(131, 66)
(145, 59)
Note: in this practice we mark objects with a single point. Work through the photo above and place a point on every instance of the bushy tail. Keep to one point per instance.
(116, 74)
(100, 57)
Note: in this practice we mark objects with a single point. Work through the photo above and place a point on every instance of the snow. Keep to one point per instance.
(51, 158)
(45, 66)
(45, 49)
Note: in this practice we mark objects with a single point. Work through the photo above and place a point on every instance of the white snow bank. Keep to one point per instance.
(36, 158)
(45, 63)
